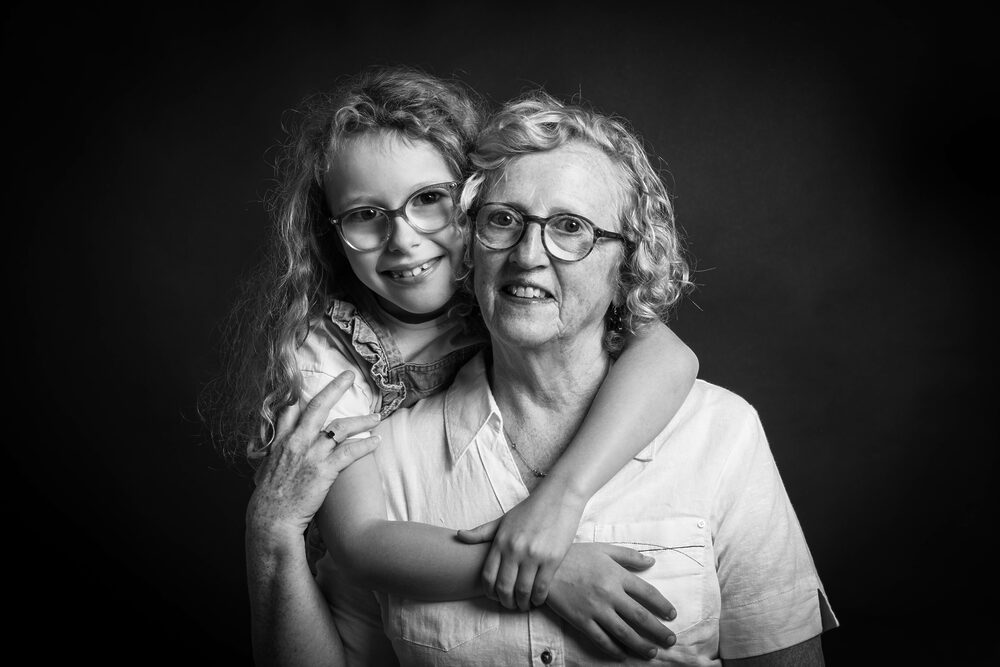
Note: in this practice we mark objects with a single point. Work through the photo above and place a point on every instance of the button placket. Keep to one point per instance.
(545, 641)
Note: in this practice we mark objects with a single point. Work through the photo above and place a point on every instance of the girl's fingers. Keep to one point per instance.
(489, 576)
(624, 635)
(348, 452)
(319, 407)
(524, 586)
(597, 635)
(506, 578)
(344, 427)
(479, 534)
(540, 590)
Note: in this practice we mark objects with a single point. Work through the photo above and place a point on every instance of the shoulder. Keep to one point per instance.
(718, 410)
(326, 349)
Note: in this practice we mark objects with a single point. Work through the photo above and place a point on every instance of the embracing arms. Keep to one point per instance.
(640, 395)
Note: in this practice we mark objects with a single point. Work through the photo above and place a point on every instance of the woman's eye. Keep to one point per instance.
(502, 219)
(570, 226)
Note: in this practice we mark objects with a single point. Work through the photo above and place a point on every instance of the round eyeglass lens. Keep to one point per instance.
(430, 210)
(366, 228)
(569, 237)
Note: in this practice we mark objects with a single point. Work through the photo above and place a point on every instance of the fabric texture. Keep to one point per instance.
(705, 499)
(394, 363)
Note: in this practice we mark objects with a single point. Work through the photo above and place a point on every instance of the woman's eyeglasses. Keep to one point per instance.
(565, 236)
(427, 210)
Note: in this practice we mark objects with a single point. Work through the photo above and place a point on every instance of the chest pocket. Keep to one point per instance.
(439, 625)
(685, 564)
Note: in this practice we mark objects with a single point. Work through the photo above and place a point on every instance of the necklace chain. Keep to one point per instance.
(513, 446)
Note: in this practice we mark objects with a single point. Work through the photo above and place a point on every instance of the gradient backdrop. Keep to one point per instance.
(830, 172)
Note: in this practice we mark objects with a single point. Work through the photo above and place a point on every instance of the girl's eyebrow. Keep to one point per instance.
(369, 200)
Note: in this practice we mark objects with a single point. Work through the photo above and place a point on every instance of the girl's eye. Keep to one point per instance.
(428, 198)
(362, 215)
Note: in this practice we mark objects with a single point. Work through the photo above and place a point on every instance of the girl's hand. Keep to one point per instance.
(529, 543)
(614, 608)
(303, 462)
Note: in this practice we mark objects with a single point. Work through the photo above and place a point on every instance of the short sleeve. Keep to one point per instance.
(772, 597)
(320, 359)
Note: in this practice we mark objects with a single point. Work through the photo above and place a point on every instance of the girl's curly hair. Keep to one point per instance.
(303, 268)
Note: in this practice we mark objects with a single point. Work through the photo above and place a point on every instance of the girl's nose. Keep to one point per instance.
(403, 236)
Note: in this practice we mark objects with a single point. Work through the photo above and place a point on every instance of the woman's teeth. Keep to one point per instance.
(526, 292)
(414, 272)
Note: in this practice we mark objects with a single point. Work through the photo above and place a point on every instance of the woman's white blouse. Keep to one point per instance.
(704, 499)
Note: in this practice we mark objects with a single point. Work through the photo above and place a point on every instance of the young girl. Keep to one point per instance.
(363, 279)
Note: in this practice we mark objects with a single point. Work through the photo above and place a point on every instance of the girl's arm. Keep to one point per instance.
(640, 395)
(595, 592)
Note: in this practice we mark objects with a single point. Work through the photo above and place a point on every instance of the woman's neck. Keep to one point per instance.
(544, 395)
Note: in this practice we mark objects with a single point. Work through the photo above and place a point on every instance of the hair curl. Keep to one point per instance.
(303, 267)
(654, 273)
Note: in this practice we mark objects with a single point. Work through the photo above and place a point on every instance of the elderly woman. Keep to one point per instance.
(574, 240)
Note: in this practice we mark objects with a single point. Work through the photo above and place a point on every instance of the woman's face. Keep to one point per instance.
(412, 276)
(527, 298)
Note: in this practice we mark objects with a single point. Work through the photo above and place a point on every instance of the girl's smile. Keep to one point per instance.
(412, 276)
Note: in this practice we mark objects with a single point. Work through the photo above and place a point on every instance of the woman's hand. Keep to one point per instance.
(613, 607)
(303, 462)
(529, 543)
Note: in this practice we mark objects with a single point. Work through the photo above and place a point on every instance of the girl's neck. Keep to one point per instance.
(408, 317)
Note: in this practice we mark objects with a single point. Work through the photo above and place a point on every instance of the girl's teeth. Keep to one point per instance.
(412, 273)
(527, 292)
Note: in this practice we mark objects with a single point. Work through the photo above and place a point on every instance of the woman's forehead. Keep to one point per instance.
(574, 178)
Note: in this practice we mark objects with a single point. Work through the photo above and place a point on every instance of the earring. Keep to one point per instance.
(615, 319)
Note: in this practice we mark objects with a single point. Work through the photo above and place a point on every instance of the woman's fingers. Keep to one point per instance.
(344, 427)
(479, 534)
(319, 407)
(287, 419)
(348, 452)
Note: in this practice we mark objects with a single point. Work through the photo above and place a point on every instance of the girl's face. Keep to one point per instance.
(412, 275)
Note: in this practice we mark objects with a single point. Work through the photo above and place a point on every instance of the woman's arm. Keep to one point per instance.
(291, 623)
(531, 540)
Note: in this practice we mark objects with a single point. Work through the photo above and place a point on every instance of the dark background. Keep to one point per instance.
(830, 169)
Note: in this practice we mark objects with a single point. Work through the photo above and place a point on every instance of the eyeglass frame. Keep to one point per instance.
(391, 215)
(599, 232)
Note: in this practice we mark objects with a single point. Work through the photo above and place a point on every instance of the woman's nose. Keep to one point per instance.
(530, 252)
(402, 236)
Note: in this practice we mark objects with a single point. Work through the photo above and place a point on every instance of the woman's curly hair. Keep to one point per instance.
(654, 273)
(303, 266)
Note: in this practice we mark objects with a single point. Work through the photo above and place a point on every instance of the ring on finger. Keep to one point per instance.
(330, 435)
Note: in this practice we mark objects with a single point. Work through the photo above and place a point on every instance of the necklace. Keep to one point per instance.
(534, 471)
